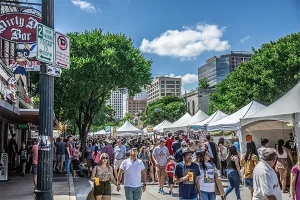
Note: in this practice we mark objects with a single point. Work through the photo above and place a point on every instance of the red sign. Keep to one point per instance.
(62, 42)
(19, 27)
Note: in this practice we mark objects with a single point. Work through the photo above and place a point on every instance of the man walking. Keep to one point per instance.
(178, 154)
(265, 182)
(134, 176)
(120, 155)
(160, 155)
(187, 175)
(60, 154)
(89, 158)
(69, 150)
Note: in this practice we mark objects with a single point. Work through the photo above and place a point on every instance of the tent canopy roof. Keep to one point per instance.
(280, 109)
(162, 125)
(198, 117)
(232, 122)
(181, 120)
(213, 118)
(128, 127)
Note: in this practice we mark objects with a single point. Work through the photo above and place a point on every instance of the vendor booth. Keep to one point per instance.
(127, 127)
(274, 122)
(173, 126)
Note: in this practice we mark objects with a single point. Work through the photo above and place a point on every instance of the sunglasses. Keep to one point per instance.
(104, 158)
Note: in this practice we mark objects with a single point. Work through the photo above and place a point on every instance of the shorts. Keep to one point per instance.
(104, 189)
(170, 180)
(117, 163)
(61, 158)
(75, 164)
(34, 169)
(249, 182)
(161, 171)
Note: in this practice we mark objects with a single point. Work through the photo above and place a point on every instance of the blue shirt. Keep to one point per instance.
(237, 146)
(187, 189)
(89, 154)
(120, 152)
(178, 155)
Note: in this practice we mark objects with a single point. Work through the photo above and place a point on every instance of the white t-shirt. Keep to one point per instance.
(260, 151)
(265, 182)
(161, 155)
(132, 172)
(207, 178)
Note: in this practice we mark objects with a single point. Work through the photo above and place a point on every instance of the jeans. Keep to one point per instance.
(208, 195)
(133, 193)
(234, 181)
(68, 164)
(196, 198)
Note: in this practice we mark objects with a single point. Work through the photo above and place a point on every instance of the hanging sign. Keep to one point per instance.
(248, 138)
(53, 71)
(45, 44)
(19, 27)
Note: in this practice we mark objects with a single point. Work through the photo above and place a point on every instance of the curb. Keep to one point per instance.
(71, 188)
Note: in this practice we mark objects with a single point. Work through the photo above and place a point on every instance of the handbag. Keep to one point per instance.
(219, 189)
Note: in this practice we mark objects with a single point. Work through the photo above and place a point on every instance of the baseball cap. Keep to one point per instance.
(171, 158)
(183, 144)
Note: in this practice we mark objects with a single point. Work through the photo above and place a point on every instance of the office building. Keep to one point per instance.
(163, 86)
(217, 68)
(134, 106)
(116, 101)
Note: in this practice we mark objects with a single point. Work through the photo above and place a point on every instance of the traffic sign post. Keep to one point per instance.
(62, 50)
(45, 44)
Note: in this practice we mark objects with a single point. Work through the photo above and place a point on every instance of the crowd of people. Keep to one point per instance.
(191, 164)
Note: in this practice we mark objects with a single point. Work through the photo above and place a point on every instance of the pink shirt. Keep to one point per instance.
(35, 154)
(96, 158)
(295, 171)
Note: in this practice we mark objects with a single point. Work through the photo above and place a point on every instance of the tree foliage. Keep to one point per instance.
(272, 71)
(203, 83)
(168, 108)
(100, 63)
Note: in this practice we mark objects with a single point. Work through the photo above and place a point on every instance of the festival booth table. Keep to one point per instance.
(174, 126)
(232, 122)
(275, 121)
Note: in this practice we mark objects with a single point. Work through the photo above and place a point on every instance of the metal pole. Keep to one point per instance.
(45, 158)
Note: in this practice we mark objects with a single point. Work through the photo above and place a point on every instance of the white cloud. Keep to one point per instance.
(188, 43)
(84, 5)
(186, 79)
(245, 39)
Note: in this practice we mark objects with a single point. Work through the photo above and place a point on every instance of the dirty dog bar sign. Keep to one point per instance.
(19, 27)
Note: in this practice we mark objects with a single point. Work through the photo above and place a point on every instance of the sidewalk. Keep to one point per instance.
(22, 188)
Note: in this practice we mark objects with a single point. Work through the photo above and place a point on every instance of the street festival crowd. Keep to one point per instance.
(196, 166)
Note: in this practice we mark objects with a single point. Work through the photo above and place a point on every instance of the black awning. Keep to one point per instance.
(8, 111)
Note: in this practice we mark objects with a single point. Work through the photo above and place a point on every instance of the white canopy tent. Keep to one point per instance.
(173, 127)
(232, 122)
(160, 127)
(279, 119)
(101, 132)
(127, 127)
(218, 115)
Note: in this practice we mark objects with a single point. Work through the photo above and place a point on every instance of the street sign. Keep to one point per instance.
(45, 44)
(62, 50)
(53, 71)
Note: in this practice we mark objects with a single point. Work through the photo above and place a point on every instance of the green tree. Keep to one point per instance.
(203, 83)
(100, 63)
(166, 108)
(103, 117)
(272, 71)
(127, 117)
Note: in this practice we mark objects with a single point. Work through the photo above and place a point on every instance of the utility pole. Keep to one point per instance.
(45, 158)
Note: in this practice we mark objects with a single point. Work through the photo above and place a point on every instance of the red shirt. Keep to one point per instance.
(170, 167)
(169, 143)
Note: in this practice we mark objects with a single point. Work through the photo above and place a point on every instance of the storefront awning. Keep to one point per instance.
(8, 111)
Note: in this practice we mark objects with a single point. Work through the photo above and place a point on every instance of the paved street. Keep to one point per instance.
(82, 188)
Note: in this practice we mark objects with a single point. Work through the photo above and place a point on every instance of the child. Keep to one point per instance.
(170, 167)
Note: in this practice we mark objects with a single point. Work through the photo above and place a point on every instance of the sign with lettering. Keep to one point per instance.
(19, 27)
(4, 167)
(45, 44)
(62, 50)
(31, 66)
(22, 126)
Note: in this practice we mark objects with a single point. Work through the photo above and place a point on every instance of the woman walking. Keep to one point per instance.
(208, 173)
(282, 165)
(144, 156)
(151, 164)
(96, 156)
(249, 161)
(102, 174)
(295, 181)
(233, 172)
(223, 155)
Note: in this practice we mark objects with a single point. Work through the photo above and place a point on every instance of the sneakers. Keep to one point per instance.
(161, 191)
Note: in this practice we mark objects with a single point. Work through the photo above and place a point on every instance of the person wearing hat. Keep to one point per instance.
(187, 174)
(160, 154)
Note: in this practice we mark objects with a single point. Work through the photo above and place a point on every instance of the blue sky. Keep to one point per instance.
(179, 35)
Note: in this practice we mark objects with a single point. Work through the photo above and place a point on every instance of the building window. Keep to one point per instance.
(162, 86)
(170, 86)
(177, 86)
(193, 107)
(189, 107)
(170, 82)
